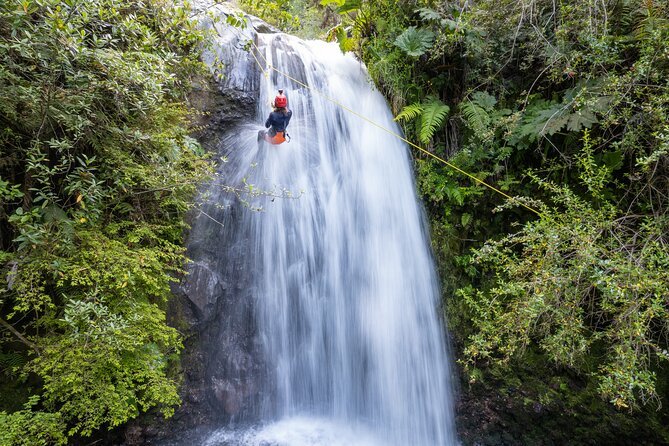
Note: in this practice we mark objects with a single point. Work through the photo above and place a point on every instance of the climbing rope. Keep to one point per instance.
(334, 101)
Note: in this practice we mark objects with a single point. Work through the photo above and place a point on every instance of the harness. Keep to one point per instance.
(277, 138)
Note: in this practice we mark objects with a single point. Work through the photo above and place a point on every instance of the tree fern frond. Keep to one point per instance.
(434, 113)
(410, 112)
(623, 13)
(636, 18)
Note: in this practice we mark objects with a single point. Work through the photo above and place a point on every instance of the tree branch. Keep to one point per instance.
(16, 333)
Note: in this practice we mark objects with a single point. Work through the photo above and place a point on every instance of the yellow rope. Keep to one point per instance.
(334, 101)
(258, 62)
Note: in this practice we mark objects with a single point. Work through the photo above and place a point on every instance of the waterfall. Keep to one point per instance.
(339, 289)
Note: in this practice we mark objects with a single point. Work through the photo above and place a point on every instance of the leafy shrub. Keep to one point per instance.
(580, 280)
(98, 173)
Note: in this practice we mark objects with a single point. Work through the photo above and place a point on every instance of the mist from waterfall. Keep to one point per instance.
(345, 296)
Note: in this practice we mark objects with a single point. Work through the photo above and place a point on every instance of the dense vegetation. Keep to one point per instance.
(97, 173)
(565, 106)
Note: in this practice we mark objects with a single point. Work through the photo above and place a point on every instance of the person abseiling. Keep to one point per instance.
(277, 121)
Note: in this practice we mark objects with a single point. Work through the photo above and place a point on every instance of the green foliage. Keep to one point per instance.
(410, 112)
(340, 35)
(476, 110)
(11, 361)
(32, 428)
(371, 28)
(580, 279)
(432, 17)
(98, 173)
(434, 113)
(429, 116)
(343, 6)
(415, 42)
(442, 186)
(274, 12)
(577, 111)
(108, 365)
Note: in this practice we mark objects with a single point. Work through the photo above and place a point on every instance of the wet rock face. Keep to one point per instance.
(229, 336)
(219, 280)
(224, 109)
(213, 304)
(233, 396)
(217, 287)
(203, 286)
(229, 97)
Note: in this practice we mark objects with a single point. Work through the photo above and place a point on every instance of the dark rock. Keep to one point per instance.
(134, 435)
(213, 303)
(202, 287)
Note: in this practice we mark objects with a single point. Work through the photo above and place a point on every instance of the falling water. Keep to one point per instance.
(345, 297)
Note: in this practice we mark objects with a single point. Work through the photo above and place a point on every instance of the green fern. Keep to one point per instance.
(531, 123)
(431, 16)
(650, 16)
(623, 16)
(410, 112)
(477, 111)
(434, 113)
(576, 112)
(476, 117)
(428, 115)
(415, 41)
(638, 19)
(485, 100)
(9, 362)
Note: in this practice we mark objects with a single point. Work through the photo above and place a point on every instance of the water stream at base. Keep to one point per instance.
(346, 297)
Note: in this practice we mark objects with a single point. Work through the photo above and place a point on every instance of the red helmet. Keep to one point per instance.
(281, 101)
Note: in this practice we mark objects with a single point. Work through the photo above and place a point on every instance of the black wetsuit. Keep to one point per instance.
(278, 120)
